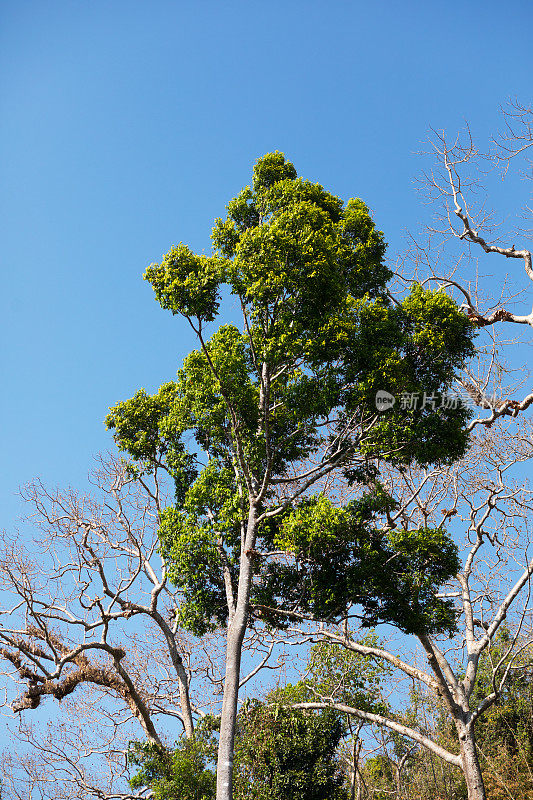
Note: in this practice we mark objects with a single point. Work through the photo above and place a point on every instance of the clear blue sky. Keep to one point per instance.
(126, 126)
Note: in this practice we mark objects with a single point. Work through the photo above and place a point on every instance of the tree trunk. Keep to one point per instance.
(229, 710)
(236, 631)
(470, 761)
(352, 774)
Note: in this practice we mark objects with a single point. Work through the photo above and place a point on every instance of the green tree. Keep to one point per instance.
(357, 680)
(282, 402)
(286, 754)
(182, 773)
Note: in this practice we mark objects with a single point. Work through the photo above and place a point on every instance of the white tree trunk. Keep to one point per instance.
(229, 711)
(236, 631)
(470, 763)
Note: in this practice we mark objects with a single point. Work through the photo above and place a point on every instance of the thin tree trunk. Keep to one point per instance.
(183, 682)
(355, 781)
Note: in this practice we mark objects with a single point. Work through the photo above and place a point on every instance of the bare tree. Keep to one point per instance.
(484, 499)
(456, 184)
(89, 620)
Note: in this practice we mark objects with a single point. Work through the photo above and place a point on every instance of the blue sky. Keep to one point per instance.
(125, 127)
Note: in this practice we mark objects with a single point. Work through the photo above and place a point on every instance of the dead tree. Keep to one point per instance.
(456, 184)
(89, 641)
(481, 497)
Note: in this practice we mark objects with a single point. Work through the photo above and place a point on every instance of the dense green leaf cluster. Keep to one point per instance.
(179, 774)
(287, 754)
(341, 558)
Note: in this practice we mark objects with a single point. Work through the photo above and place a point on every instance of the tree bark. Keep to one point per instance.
(236, 631)
(229, 710)
(471, 769)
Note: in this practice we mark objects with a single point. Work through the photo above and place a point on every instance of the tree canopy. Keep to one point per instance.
(320, 337)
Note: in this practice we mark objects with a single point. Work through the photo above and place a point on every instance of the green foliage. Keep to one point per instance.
(271, 169)
(320, 338)
(193, 565)
(504, 734)
(287, 754)
(412, 348)
(341, 558)
(280, 754)
(348, 677)
(171, 774)
(379, 773)
(504, 737)
(137, 423)
(185, 283)
(149, 429)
